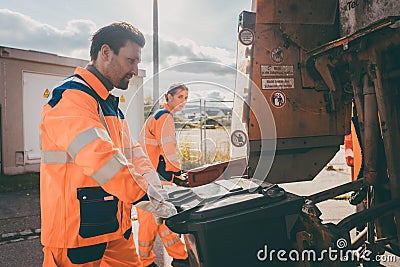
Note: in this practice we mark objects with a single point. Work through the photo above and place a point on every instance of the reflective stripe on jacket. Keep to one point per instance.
(158, 139)
(88, 178)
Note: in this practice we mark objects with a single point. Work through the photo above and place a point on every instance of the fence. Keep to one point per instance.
(203, 132)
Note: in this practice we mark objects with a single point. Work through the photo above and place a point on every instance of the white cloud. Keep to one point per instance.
(188, 50)
(21, 31)
(215, 95)
(175, 52)
(202, 82)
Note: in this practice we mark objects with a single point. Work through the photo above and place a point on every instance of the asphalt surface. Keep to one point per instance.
(20, 229)
(20, 217)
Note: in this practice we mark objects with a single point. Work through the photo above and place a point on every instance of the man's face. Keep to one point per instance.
(122, 67)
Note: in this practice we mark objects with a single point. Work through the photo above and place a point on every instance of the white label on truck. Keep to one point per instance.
(277, 83)
(274, 70)
(246, 36)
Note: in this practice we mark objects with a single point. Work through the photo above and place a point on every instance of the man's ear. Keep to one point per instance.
(105, 52)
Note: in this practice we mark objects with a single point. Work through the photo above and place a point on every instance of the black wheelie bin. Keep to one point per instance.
(235, 222)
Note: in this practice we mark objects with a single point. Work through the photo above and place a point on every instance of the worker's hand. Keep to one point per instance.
(157, 190)
(159, 210)
(158, 220)
(157, 204)
(181, 180)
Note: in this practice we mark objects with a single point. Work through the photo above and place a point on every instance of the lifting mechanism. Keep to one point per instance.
(368, 59)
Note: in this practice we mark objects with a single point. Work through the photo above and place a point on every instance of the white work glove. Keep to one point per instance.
(158, 204)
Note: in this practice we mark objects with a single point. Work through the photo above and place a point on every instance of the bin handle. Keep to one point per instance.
(177, 223)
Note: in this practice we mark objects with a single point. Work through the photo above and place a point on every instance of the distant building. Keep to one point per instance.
(193, 111)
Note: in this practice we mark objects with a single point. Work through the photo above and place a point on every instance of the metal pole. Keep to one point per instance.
(205, 132)
(371, 131)
(156, 81)
(201, 130)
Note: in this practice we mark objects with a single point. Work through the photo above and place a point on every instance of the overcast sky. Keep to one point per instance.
(189, 30)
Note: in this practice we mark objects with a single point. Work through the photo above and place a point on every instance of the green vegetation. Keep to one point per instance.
(192, 157)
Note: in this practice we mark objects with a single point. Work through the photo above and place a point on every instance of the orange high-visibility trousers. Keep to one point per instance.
(118, 253)
(148, 230)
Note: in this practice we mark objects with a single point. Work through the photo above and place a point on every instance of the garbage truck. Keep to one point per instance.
(307, 71)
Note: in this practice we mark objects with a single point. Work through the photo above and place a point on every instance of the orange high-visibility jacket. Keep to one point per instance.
(158, 138)
(89, 173)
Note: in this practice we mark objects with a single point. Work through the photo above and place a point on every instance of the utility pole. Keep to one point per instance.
(156, 81)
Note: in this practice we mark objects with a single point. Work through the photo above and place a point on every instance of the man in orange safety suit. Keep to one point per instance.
(91, 173)
(159, 141)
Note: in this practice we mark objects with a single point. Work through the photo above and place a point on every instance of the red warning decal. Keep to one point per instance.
(278, 99)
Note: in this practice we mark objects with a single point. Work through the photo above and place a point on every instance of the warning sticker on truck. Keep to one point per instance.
(274, 70)
(278, 99)
(238, 138)
(277, 83)
(46, 93)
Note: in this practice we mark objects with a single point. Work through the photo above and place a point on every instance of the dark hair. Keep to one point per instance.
(173, 88)
(115, 35)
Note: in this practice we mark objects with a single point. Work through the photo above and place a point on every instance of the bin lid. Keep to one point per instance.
(186, 198)
(231, 204)
(242, 204)
(239, 203)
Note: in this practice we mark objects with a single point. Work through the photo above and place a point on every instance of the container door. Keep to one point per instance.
(36, 93)
(132, 105)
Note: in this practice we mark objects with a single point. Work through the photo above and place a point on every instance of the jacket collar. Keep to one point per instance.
(165, 105)
(93, 81)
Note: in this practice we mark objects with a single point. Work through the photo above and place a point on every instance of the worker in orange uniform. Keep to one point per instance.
(90, 172)
(354, 161)
(159, 141)
(352, 152)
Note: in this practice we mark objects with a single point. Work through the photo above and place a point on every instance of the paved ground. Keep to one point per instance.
(20, 217)
(20, 231)
(336, 173)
